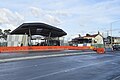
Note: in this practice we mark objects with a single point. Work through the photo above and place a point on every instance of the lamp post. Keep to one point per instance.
(111, 35)
(111, 24)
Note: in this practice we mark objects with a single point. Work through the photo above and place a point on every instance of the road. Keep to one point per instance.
(79, 67)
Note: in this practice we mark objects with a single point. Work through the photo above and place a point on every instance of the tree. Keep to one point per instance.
(6, 32)
(87, 34)
(1, 33)
(79, 35)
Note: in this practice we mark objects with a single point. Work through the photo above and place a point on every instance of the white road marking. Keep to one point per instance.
(116, 78)
(31, 66)
(36, 57)
(68, 70)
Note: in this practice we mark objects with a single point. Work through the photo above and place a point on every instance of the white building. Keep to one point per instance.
(88, 40)
(17, 40)
(96, 38)
(116, 40)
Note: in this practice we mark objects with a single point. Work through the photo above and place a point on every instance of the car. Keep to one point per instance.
(116, 47)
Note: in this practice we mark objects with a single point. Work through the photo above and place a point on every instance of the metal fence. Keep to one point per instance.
(3, 44)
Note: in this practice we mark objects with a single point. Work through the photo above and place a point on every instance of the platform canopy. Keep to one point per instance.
(39, 29)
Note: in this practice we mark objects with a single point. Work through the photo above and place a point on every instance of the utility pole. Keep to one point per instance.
(111, 36)
(111, 32)
(107, 33)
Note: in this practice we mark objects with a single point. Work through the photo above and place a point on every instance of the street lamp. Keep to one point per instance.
(111, 24)
(111, 34)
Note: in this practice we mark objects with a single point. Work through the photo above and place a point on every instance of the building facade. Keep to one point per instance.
(88, 40)
(17, 40)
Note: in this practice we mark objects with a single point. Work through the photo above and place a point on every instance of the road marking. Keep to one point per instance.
(116, 78)
(32, 65)
(35, 65)
(67, 70)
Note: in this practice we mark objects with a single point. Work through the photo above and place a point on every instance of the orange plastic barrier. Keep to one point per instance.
(46, 48)
(41, 48)
(13, 49)
(100, 50)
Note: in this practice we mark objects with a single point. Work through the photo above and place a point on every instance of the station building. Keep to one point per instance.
(36, 34)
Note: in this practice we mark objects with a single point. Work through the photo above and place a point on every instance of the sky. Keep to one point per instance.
(73, 16)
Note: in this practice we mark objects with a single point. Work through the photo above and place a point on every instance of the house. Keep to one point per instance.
(95, 38)
(88, 40)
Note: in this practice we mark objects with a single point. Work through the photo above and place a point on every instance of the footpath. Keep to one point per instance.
(8, 57)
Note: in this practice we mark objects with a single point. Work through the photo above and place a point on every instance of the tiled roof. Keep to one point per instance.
(91, 35)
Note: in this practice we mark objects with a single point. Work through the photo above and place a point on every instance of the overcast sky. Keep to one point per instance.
(73, 16)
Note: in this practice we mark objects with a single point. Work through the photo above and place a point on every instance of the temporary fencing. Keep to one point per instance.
(41, 48)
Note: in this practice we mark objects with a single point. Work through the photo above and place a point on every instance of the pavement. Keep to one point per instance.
(16, 56)
(77, 67)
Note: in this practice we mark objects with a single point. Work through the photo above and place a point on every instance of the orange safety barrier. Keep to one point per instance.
(13, 49)
(41, 48)
(100, 50)
(46, 48)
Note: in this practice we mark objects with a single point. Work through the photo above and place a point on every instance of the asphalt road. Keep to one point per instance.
(79, 67)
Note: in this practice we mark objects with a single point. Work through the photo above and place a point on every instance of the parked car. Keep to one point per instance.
(116, 47)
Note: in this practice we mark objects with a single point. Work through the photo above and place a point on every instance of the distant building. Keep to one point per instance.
(80, 41)
(116, 40)
(109, 43)
(88, 40)
(95, 38)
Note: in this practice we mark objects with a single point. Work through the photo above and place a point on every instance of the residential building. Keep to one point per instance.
(88, 40)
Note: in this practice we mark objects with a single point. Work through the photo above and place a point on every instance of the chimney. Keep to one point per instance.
(98, 32)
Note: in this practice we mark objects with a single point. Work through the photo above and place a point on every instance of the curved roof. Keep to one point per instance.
(39, 29)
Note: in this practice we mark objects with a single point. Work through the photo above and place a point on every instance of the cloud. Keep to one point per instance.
(68, 14)
(19, 18)
(102, 12)
(45, 16)
(52, 20)
(3, 17)
(39, 12)
(60, 13)
(36, 12)
(94, 16)
(7, 26)
(9, 18)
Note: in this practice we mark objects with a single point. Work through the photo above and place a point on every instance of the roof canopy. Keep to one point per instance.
(39, 29)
